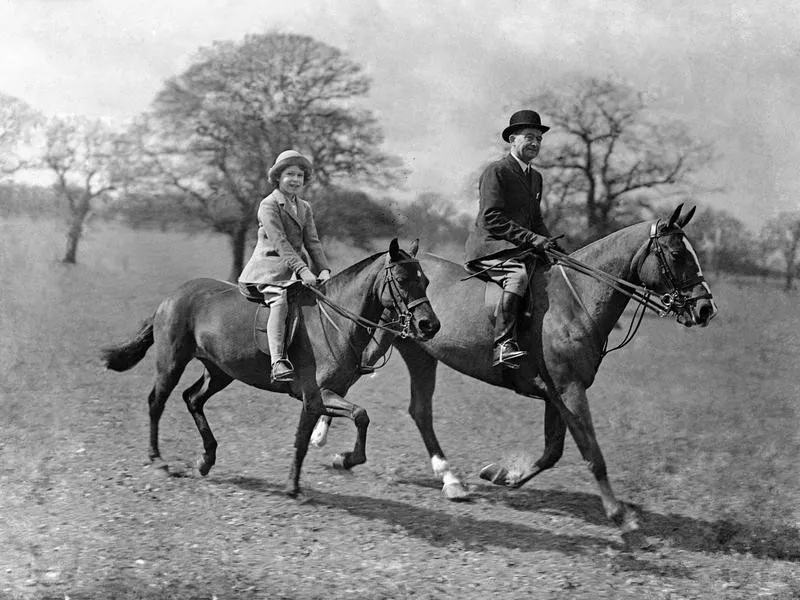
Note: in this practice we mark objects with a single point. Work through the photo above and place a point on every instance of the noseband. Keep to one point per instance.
(675, 300)
(400, 305)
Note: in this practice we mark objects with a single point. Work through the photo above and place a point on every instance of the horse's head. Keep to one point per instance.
(402, 292)
(669, 266)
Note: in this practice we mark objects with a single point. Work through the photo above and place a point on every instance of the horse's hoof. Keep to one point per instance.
(203, 466)
(159, 467)
(340, 463)
(294, 492)
(495, 473)
(455, 492)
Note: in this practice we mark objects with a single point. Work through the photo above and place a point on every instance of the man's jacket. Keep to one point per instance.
(509, 210)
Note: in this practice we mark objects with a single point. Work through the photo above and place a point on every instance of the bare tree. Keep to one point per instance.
(213, 131)
(782, 234)
(81, 154)
(17, 123)
(608, 152)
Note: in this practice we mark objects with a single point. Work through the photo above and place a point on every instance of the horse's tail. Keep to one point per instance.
(128, 354)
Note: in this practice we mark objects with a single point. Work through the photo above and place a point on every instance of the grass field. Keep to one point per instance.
(700, 430)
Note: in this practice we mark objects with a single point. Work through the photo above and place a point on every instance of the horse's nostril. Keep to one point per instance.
(425, 325)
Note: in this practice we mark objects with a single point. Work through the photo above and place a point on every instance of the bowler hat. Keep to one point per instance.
(288, 158)
(522, 119)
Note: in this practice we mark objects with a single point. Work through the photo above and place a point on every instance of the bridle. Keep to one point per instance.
(674, 301)
(402, 307)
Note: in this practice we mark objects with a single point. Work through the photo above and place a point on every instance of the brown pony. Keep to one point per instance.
(211, 321)
(566, 339)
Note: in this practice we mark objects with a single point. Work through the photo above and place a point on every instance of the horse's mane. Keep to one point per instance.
(359, 266)
(590, 246)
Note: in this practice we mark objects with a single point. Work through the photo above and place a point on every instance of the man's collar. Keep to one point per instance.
(523, 165)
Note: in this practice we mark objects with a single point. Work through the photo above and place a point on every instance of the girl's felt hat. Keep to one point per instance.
(288, 158)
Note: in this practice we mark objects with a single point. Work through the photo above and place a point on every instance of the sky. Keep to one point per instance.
(447, 74)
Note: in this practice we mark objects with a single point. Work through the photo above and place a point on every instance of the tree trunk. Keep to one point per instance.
(74, 234)
(238, 240)
(789, 278)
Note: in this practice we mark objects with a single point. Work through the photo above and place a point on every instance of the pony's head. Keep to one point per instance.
(669, 266)
(402, 292)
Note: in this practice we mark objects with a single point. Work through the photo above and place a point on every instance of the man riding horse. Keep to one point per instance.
(509, 221)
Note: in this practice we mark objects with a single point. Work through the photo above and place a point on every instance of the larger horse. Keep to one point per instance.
(209, 320)
(566, 339)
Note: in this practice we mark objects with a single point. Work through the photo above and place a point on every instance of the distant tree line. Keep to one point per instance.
(197, 160)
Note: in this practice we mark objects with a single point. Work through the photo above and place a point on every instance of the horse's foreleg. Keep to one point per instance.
(319, 437)
(422, 372)
(578, 418)
(555, 430)
(195, 396)
(304, 428)
(337, 406)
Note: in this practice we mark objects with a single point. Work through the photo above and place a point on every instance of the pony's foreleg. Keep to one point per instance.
(555, 430)
(319, 437)
(195, 396)
(422, 371)
(304, 428)
(337, 406)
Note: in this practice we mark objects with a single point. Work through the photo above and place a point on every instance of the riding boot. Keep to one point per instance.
(506, 350)
(282, 368)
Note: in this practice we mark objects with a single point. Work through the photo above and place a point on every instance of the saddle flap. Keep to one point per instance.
(260, 327)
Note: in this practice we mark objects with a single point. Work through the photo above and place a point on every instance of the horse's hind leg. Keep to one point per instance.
(195, 396)
(339, 407)
(422, 372)
(167, 377)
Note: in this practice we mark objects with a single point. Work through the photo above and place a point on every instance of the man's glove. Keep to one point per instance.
(324, 275)
(537, 243)
(308, 277)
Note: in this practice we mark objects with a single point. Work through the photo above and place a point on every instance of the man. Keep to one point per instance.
(510, 221)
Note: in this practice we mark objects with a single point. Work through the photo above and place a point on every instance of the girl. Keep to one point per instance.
(285, 227)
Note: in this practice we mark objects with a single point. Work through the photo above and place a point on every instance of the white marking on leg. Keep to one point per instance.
(319, 437)
(441, 468)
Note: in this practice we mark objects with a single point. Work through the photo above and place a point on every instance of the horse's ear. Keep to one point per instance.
(414, 247)
(394, 250)
(675, 215)
(686, 218)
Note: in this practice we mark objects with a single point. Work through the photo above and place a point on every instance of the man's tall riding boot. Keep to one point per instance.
(506, 350)
(282, 368)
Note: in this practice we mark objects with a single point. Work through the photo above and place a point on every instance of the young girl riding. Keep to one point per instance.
(285, 228)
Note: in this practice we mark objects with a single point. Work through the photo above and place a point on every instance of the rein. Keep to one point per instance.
(673, 301)
(400, 305)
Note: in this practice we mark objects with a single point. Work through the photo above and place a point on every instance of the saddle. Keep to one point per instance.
(493, 291)
(297, 295)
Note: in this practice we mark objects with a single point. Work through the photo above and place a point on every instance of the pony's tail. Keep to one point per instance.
(127, 355)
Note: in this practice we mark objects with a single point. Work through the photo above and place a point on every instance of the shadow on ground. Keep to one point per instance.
(688, 533)
(438, 528)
